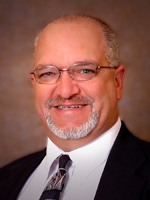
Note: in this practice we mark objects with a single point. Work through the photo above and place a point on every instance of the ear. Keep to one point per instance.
(119, 79)
(32, 78)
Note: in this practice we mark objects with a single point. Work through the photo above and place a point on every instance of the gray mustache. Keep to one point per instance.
(74, 100)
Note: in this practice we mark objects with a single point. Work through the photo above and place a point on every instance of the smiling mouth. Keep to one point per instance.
(69, 107)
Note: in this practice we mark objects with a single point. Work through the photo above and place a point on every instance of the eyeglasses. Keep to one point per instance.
(79, 71)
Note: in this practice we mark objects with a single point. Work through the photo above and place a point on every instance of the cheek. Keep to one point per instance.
(104, 95)
(95, 90)
(42, 94)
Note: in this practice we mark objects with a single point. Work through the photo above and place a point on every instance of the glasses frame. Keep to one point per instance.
(97, 67)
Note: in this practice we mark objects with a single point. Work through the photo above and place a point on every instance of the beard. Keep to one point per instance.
(75, 132)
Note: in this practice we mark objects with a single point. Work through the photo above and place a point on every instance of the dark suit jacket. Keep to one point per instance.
(126, 175)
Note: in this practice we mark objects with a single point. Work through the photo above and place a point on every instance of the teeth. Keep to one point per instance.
(69, 107)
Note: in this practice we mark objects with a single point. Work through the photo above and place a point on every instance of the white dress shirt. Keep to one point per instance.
(88, 163)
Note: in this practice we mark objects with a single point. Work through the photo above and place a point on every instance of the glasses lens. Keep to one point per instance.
(83, 71)
(48, 74)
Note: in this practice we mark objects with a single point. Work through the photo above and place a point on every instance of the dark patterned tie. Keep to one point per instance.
(56, 184)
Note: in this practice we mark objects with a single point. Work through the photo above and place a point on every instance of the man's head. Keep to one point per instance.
(77, 100)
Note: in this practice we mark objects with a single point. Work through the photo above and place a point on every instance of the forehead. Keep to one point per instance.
(74, 29)
(74, 38)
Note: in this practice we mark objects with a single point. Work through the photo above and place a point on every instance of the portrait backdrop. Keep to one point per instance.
(21, 131)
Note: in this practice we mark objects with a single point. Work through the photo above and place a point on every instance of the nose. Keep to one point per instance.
(67, 87)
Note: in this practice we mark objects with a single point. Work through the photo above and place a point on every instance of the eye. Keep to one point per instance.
(87, 71)
(46, 74)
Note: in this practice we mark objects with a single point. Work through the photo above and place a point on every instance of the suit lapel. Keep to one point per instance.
(120, 179)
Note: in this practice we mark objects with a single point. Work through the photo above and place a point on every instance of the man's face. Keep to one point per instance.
(76, 108)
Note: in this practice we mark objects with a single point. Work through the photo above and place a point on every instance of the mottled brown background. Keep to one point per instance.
(20, 129)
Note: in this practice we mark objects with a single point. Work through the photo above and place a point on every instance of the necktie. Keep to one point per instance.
(56, 184)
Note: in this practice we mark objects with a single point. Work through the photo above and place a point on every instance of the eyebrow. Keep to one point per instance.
(75, 63)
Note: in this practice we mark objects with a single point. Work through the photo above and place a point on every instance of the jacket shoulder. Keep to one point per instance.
(14, 175)
(127, 168)
(37, 156)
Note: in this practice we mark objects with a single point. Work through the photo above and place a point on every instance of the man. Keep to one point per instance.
(78, 81)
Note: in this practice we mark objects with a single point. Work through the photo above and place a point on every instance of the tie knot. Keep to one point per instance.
(63, 160)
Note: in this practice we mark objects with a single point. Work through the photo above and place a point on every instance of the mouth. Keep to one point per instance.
(70, 107)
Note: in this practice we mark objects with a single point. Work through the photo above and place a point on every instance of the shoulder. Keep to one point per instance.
(127, 141)
(31, 159)
(130, 139)
(133, 149)
(14, 175)
(128, 167)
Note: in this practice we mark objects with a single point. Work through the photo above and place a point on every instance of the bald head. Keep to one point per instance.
(111, 49)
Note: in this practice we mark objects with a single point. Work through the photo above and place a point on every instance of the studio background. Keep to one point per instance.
(21, 131)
